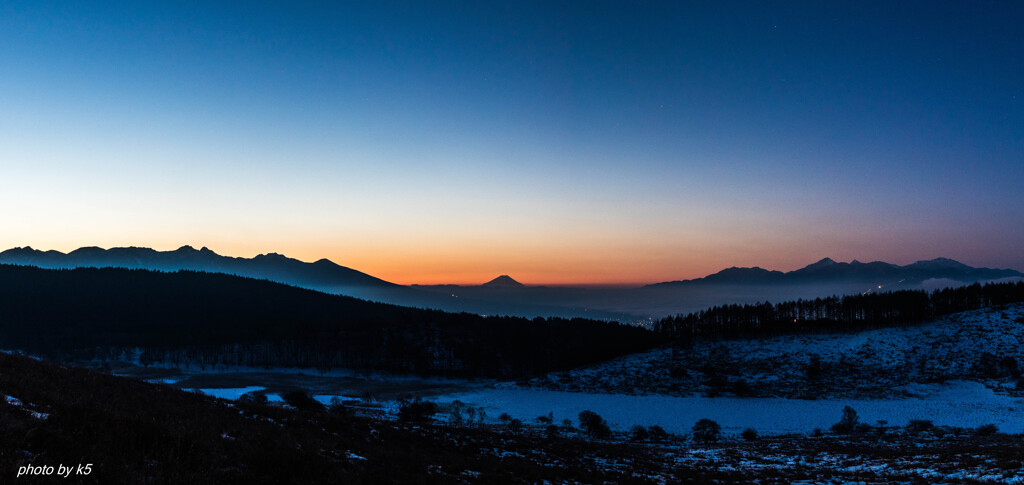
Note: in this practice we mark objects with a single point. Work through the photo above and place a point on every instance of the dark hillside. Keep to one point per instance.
(133, 432)
(208, 319)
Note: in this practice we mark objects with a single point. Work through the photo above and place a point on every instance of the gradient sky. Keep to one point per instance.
(558, 142)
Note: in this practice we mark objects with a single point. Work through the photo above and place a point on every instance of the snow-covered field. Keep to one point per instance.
(958, 403)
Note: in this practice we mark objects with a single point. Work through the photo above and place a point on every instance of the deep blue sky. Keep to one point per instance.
(587, 142)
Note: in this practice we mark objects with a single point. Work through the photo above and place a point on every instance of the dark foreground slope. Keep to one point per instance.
(134, 432)
(210, 319)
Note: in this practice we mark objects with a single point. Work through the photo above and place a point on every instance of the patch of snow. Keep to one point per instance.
(166, 380)
(228, 393)
(13, 401)
(325, 399)
(353, 456)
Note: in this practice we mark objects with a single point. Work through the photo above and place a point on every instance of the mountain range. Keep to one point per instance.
(876, 272)
(322, 275)
(506, 296)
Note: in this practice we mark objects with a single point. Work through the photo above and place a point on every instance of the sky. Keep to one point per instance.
(557, 142)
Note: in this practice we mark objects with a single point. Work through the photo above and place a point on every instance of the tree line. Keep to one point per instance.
(836, 313)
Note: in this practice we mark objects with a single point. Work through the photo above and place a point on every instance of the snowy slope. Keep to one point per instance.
(888, 363)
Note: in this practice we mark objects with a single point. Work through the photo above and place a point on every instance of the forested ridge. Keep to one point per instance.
(193, 318)
(837, 313)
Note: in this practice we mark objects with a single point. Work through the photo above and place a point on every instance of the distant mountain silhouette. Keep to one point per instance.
(503, 281)
(747, 275)
(939, 264)
(829, 271)
(322, 275)
(505, 296)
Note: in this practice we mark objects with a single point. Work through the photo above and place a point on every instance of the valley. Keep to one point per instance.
(932, 371)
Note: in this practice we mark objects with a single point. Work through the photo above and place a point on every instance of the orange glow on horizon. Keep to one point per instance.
(468, 264)
(459, 266)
